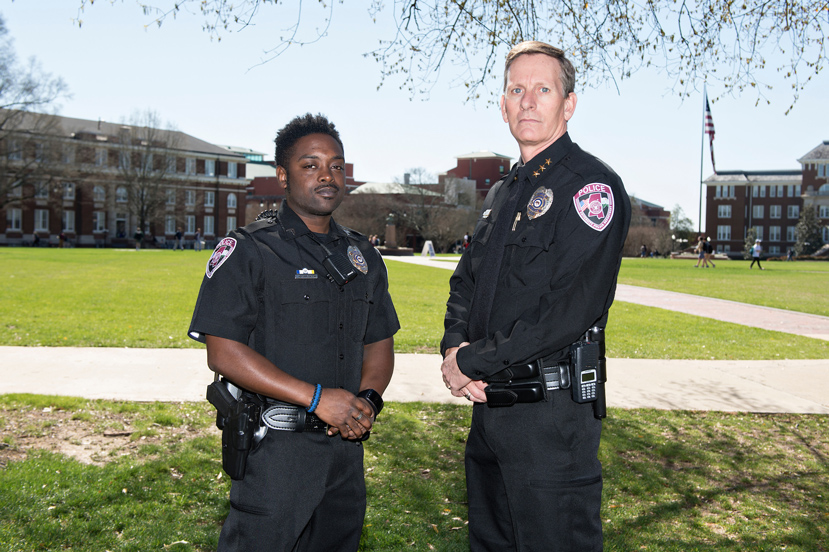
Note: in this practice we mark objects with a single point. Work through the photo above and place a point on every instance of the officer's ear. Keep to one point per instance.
(282, 177)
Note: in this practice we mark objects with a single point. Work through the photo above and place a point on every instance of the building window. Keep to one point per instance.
(775, 211)
(171, 196)
(15, 151)
(823, 190)
(101, 157)
(41, 220)
(124, 160)
(774, 250)
(99, 194)
(13, 219)
(170, 164)
(99, 221)
(68, 190)
(825, 234)
(759, 232)
(821, 170)
(210, 167)
(68, 221)
(120, 194)
(231, 200)
(231, 224)
(209, 199)
(16, 191)
(762, 191)
(755, 191)
(797, 191)
(208, 226)
(757, 211)
(191, 224)
(170, 224)
(68, 156)
(793, 211)
(41, 190)
(724, 211)
(190, 166)
(231, 170)
(189, 197)
(791, 233)
(39, 157)
(774, 233)
(723, 233)
(824, 211)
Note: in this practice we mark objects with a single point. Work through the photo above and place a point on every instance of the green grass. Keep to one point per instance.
(120, 298)
(674, 481)
(799, 286)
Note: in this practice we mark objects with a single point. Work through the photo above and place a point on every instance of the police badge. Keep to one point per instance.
(540, 202)
(594, 204)
(357, 259)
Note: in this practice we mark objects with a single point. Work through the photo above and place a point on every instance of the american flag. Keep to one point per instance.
(709, 130)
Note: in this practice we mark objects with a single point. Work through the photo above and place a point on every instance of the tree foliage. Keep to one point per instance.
(738, 44)
(808, 229)
(25, 152)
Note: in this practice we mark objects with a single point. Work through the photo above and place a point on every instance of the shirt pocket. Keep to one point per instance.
(305, 307)
(357, 317)
(527, 256)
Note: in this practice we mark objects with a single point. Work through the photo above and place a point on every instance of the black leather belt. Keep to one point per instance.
(526, 383)
(289, 417)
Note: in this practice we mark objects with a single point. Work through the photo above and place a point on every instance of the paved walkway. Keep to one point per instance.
(181, 374)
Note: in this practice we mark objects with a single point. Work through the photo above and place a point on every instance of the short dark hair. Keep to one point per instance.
(567, 73)
(300, 127)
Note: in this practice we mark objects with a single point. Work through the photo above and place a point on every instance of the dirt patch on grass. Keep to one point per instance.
(90, 439)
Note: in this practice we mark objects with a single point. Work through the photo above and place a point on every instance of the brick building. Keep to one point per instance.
(95, 181)
(768, 201)
(484, 167)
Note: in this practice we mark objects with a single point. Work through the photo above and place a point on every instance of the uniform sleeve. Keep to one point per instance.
(382, 317)
(581, 288)
(228, 302)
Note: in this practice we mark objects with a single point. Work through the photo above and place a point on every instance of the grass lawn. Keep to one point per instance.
(799, 286)
(673, 481)
(123, 298)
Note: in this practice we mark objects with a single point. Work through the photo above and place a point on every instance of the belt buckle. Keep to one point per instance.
(284, 418)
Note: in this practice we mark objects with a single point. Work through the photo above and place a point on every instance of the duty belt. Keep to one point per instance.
(524, 383)
(288, 417)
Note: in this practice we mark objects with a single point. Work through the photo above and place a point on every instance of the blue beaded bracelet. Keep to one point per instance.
(316, 400)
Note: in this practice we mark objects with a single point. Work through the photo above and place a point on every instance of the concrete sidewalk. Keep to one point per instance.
(181, 375)
(767, 318)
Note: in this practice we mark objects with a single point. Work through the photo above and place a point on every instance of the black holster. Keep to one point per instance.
(238, 419)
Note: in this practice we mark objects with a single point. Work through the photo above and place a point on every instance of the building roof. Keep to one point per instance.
(255, 169)
(819, 154)
(393, 188)
(755, 177)
(483, 155)
(69, 127)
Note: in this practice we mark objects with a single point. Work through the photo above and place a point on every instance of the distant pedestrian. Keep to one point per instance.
(708, 249)
(700, 251)
(197, 243)
(139, 235)
(790, 255)
(756, 251)
(61, 239)
(179, 240)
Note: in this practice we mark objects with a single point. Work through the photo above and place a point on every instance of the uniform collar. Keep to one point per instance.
(542, 164)
(295, 227)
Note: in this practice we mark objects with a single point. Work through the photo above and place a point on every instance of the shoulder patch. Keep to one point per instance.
(220, 255)
(595, 205)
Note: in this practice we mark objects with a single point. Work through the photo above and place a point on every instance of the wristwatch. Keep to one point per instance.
(374, 398)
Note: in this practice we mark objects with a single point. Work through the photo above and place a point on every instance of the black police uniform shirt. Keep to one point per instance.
(265, 286)
(561, 259)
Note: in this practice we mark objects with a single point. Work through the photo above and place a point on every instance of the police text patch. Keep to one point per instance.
(220, 255)
(595, 205)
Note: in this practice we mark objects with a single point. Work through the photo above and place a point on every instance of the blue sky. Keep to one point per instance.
(219, 92)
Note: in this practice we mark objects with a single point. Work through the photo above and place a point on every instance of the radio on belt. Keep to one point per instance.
(584, 359)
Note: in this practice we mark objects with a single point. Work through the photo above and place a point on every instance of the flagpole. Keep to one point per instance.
(701, 154)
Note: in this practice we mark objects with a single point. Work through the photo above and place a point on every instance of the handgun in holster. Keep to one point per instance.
(238, 418)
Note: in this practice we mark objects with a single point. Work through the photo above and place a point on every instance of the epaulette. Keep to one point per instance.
(349, 232)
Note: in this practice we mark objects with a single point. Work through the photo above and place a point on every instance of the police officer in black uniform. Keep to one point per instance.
(539, 274)
(296, 314)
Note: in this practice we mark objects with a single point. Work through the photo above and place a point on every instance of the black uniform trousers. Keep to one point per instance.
(533, 478)
(302, 492)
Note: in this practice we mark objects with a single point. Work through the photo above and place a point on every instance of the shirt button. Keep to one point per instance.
(342, 290)
(341, 326)
(307, 297)
(342, 356)
(506, 363)
(523, 239)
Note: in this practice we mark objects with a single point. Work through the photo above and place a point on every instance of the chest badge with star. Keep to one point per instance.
(540, 202)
